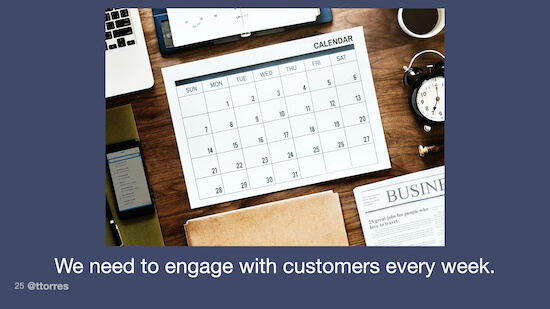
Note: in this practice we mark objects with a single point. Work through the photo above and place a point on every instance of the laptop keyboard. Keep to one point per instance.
(119, 32)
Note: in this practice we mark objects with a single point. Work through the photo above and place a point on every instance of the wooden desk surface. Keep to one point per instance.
(389, 49)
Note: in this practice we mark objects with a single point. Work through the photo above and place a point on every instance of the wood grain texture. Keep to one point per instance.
(389, 49)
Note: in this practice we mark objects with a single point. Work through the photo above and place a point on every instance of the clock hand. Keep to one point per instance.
(436, 101)
(436, 95)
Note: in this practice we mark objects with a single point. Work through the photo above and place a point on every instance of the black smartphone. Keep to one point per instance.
(129, 179)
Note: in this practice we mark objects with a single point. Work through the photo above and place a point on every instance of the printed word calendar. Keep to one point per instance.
(276, 117)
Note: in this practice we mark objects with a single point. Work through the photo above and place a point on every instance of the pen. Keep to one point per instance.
(114, 226)
(423, 150)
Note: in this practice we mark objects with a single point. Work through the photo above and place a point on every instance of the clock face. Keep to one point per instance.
(430, 99)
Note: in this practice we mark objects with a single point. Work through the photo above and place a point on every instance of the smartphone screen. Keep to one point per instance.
(129, 179)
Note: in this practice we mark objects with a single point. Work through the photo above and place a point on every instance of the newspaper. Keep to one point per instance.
(407, 210)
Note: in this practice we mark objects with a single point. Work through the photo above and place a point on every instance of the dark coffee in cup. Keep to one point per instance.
(420, 21)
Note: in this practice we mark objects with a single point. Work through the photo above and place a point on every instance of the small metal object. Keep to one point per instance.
(423, 150)
(427, 128)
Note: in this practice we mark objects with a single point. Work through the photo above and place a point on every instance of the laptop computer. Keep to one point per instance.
(127, 65)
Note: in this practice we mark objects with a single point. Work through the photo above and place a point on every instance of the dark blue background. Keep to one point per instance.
(52, 147)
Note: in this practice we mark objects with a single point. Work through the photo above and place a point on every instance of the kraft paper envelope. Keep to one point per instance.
(311, 220)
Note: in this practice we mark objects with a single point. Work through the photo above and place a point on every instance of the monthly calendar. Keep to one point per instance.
(276, 117)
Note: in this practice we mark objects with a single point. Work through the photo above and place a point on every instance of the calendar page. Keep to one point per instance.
(276, 117)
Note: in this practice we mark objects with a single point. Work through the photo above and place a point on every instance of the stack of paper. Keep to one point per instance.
(189, 26)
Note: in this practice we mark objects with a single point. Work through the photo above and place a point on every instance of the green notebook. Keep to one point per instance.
(143, 230)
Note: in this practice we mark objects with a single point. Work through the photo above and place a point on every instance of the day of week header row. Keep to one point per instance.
(266, 70)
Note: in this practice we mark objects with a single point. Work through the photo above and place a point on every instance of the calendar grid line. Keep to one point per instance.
(240, 141)
(265, 133)
(267, 100)
(290, 125)
(215, 153)
(251, 125)
(316, 124)
(243, 147)
(370, 126)
(340, 109)
(291, 180)
(189, 150)
(304, 156)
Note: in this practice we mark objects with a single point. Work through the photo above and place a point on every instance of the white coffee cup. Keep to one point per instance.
(439, 25)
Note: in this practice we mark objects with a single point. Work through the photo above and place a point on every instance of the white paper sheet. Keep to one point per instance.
(404, 211)
(276, 117)
(192, 25)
